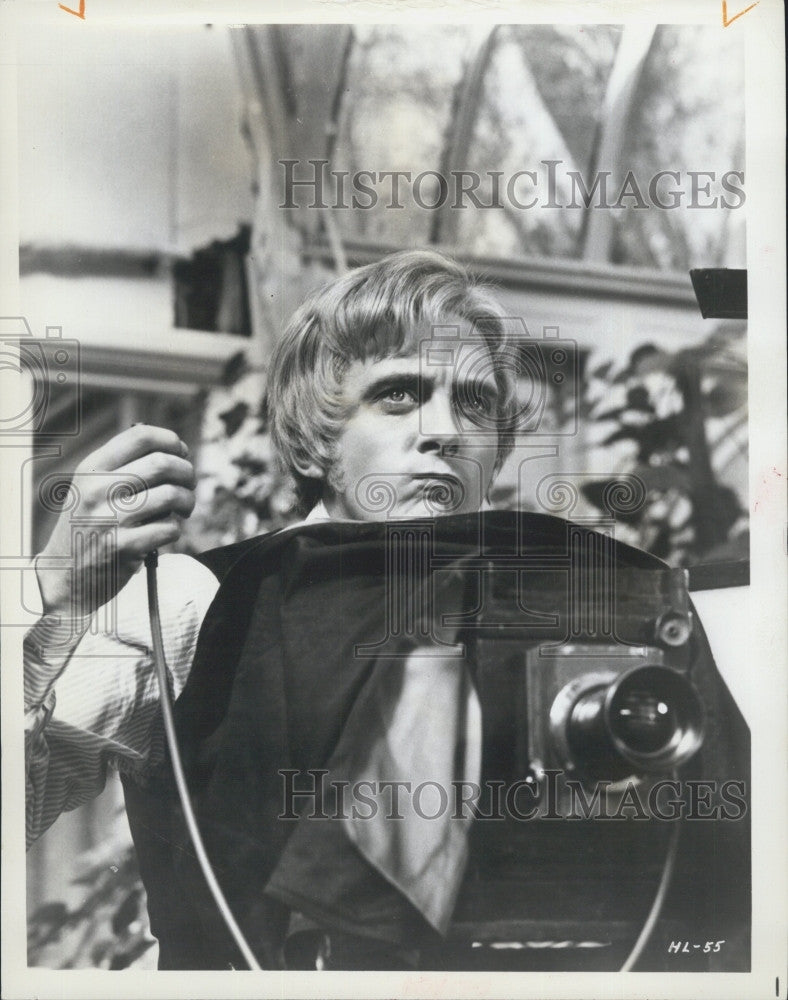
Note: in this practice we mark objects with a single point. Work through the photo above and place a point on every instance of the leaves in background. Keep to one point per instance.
(108, 930)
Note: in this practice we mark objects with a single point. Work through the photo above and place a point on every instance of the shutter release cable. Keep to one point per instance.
(151, 562)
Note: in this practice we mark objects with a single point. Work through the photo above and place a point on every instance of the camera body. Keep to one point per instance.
(603, 713)
(586, 671)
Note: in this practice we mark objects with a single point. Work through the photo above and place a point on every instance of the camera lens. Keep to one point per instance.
(654, 716)
(649, 719)
(642, 720)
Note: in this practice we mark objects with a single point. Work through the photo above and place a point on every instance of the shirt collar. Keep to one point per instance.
(320, 513)
(317, 513)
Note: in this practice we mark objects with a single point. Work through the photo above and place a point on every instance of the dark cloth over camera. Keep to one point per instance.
(276, 677)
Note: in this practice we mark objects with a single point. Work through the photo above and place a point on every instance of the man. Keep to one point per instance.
(288, 655)
(352, 413)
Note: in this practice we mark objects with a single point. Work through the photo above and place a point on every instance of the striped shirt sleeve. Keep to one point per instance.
(91, 694)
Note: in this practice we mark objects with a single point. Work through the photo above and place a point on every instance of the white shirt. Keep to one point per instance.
(91, 697)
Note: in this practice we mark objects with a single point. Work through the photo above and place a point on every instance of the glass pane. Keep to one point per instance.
(687, 116)
(571, 65)
(395, 116)
(542, 101)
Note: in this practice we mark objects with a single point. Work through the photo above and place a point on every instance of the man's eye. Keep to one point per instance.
(398, 397)
(477, 404)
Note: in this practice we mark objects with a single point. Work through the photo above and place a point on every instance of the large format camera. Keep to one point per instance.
(614, 700)
(610, 827)
(615, 769)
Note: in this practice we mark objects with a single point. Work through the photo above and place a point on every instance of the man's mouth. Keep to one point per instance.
(441, 492)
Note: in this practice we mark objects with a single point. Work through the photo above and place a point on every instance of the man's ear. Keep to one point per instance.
(309, 468)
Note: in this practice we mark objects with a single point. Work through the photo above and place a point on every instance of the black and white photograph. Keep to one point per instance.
(393, 441)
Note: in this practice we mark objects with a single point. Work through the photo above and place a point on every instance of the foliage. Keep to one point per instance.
(107, 928)
(241, 492)
(665, 404)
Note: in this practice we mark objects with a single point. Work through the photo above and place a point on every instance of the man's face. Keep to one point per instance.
(412, 445)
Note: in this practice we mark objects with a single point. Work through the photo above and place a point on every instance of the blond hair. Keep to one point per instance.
(375, 311)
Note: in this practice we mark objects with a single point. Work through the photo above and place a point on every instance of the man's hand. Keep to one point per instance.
(150, 468)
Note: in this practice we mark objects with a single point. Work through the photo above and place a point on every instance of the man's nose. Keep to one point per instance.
(440, 429)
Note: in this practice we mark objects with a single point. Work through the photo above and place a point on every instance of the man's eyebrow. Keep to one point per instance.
(423, 384)
(398, 380)
(478, 386)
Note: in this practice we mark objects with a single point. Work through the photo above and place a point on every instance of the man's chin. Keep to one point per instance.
(381, 502)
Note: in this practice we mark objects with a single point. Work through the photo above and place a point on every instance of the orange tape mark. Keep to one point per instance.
(81, 11)
(725, 20)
